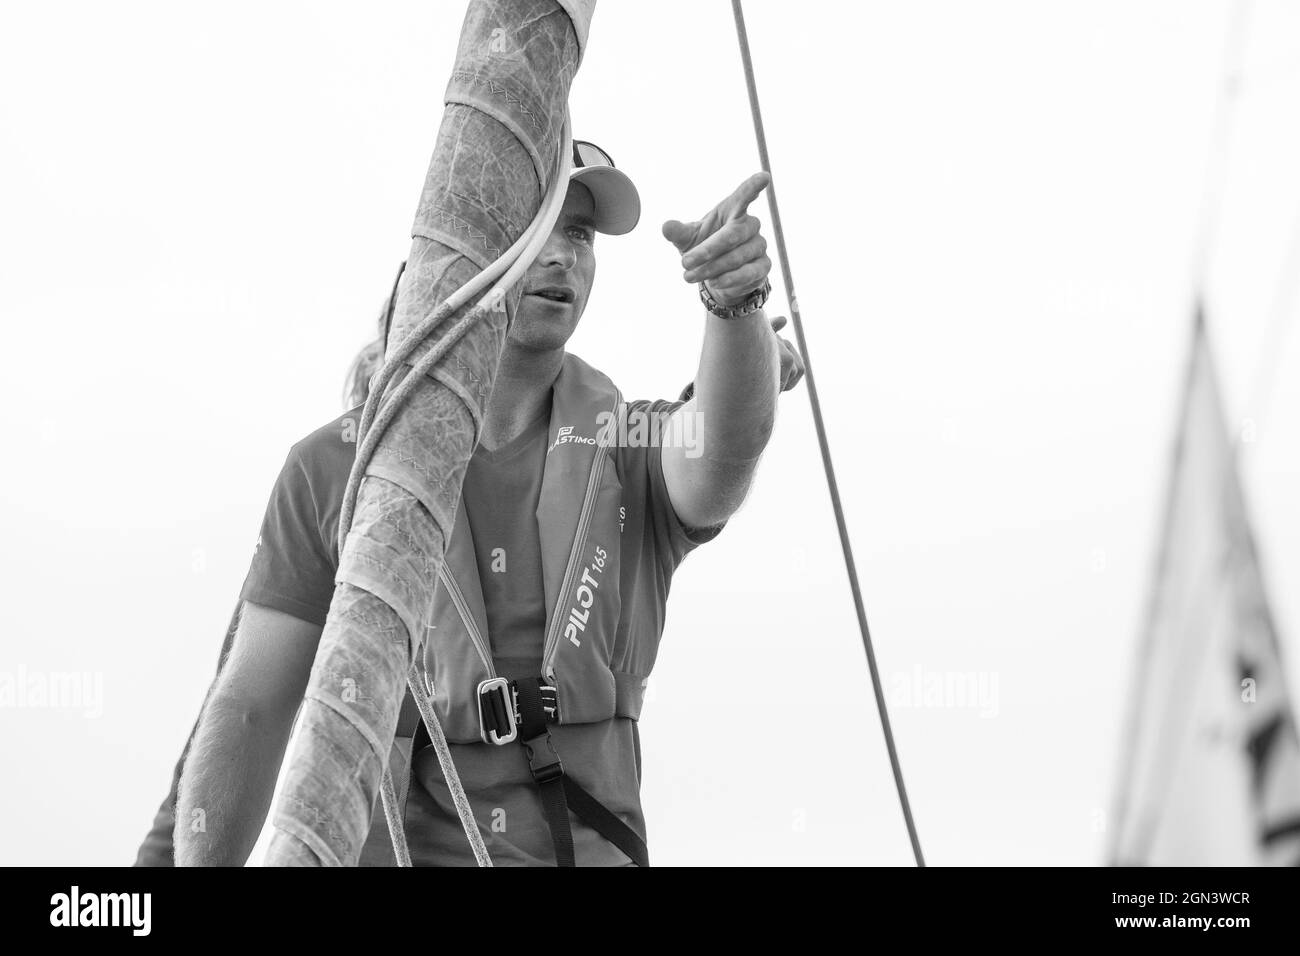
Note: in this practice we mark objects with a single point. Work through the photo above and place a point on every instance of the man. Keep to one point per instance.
(537, 501)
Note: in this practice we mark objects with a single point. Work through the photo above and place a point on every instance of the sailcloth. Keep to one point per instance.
(1211, 774)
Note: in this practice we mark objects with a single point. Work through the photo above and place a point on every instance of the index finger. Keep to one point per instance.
(736, 205)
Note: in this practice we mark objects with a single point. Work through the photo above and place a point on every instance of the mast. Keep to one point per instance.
(496, 168)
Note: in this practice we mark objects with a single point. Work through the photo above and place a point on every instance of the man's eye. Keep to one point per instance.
(582, 233)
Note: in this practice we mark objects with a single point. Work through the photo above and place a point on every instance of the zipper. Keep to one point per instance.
(579, 544)
(467, 618)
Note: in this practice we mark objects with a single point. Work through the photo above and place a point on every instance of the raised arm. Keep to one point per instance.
(740, 369)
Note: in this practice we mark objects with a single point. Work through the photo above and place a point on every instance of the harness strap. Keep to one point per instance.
(560, 792)
(605, 822)
(544, 762)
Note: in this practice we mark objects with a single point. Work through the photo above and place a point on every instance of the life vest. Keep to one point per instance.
(578, 525)
(578, 521)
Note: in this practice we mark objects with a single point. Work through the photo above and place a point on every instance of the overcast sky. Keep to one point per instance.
(991, 211)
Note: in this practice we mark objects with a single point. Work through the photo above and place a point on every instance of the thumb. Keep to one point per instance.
(680, 234)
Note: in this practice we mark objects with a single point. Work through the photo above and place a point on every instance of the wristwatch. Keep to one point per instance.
(747, 306)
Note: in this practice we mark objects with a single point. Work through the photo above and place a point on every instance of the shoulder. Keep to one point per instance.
(643, 424)
(647, 423)
(331, 447)
(318, 464)
(297, 554)
(646, 428)
(652, 406)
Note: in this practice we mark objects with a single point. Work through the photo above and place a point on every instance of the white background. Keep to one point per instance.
(991, 210)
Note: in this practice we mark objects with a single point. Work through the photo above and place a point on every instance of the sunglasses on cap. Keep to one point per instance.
(584, 154)
(589, 154)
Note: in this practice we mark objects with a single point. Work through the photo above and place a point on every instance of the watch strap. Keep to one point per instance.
(747, 306)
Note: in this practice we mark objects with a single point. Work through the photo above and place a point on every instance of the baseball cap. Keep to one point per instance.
(618, 204)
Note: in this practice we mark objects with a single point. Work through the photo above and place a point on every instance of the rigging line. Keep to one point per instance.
(796, 320)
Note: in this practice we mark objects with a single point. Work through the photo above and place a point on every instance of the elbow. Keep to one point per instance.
(734, 458)
(241, 713)
(724, 492)
(764, 428)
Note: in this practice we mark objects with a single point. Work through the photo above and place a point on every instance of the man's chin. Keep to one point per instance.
(543, 329)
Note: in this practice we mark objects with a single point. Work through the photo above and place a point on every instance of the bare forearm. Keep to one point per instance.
(228, 783)
(736, 387)
(740, 366)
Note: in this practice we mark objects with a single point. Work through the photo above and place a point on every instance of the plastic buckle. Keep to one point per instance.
(497, 723)
(543, 760)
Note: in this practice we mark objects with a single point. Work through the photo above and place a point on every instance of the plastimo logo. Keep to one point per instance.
(565, 436)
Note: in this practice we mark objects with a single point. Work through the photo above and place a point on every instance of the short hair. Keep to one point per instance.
(356, 384)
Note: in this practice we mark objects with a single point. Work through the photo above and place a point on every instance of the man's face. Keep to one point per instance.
(558, 282)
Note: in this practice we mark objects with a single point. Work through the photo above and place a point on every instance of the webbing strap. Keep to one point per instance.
(560, 792)
(603, 820)
(547, 769)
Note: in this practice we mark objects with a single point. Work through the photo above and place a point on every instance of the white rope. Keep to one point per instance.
(392, 813)
(458, 796)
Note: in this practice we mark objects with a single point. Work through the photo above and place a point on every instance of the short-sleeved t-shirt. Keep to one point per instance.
(293, 571)
(500, 495)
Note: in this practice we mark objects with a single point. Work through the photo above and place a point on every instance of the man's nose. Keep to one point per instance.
(558, 251)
